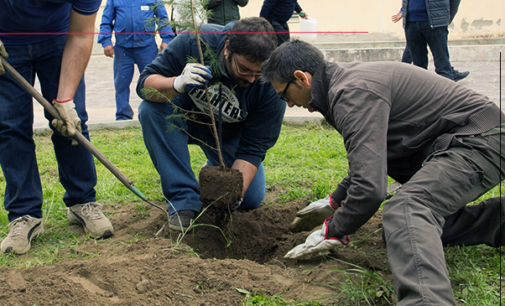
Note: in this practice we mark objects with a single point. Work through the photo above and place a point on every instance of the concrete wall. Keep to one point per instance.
(481, 18)
(475, 19)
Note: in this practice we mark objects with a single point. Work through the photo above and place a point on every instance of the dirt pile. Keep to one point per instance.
(133, 268)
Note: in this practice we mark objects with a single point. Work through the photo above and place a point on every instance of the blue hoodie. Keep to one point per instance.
(254, 112)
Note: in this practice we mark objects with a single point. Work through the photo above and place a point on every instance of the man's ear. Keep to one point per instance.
(226, 48)
(304, 77)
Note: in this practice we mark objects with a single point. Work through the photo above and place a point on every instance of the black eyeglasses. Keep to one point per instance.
(283, 94)
(245, 73)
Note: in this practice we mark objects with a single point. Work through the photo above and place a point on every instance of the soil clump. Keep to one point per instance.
(220, 190)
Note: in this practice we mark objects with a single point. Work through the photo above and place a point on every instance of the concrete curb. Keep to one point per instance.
(113, 125)
(457, 53)
(127, 124)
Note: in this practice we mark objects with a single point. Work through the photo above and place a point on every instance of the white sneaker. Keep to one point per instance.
(91, 217)
(23, 230)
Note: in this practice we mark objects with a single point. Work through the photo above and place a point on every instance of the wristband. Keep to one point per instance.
(331, 203)
(64, 101)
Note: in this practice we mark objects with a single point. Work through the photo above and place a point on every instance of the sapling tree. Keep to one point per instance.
(190, 17)
(222, 188)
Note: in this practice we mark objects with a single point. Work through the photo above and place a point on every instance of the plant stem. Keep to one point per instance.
(211, 113)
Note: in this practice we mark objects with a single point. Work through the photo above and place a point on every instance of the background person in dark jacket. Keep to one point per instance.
(278, 12)
(425, 23)
(407, 58)
(132, 22)
(224, 11)
(252, 113)
(441, 140)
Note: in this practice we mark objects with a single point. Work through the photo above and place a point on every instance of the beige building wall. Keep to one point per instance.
(475, 19)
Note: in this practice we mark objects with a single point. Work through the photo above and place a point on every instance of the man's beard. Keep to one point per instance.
(240, 82)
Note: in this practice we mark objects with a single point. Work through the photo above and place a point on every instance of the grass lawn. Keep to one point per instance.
(306, 160)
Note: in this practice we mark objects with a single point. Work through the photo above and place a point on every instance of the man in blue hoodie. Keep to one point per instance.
(133, 22)
(252, 112)
(37, 45)
(278, 12)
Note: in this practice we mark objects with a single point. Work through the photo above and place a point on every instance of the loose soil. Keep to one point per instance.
(133, 268)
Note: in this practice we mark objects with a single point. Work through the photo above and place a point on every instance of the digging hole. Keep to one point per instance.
(260, 235)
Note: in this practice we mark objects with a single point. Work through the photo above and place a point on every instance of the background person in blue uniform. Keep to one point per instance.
(58, 61)
(134, 26)
(252, 112)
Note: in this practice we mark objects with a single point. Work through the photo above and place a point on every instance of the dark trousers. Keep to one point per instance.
(282, 31)
(76, 167)
(430, 210)
(406, 57)
(124, 64)
(419, 35)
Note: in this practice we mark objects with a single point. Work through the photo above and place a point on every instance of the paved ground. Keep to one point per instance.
(484, 78)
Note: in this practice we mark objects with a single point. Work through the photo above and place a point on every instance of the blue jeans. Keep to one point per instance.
(23, 193)
(167, 142)
(419, 34)
(124, 61)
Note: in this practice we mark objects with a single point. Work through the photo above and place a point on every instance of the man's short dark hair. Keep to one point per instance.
(289, 57)
(253, 37)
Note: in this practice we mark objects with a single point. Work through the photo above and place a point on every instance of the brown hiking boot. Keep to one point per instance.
(23, 230)
(91, 217)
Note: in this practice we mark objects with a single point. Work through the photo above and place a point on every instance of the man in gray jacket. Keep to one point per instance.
(440, 140)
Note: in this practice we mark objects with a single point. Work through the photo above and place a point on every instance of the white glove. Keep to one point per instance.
(317, 242)
(312, 215)
(193, 75)
(4, 54)
(70, 121)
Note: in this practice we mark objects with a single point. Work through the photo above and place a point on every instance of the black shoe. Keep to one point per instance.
(181, 220)
(458, 76)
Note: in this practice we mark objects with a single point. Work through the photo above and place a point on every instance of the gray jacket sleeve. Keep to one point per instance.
(362, 119)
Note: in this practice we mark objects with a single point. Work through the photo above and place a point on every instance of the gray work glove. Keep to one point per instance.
(193, 75)
(70, 121)
(317, 242)
(3, 54)
(312, 215)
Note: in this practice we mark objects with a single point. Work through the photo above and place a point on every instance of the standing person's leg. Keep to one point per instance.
(282, 31)
(406, 57)
(417, 43)
(124, 62)
(437, 41)
(145, 55)
(75, 164)
(415, 216)
(23, 191)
